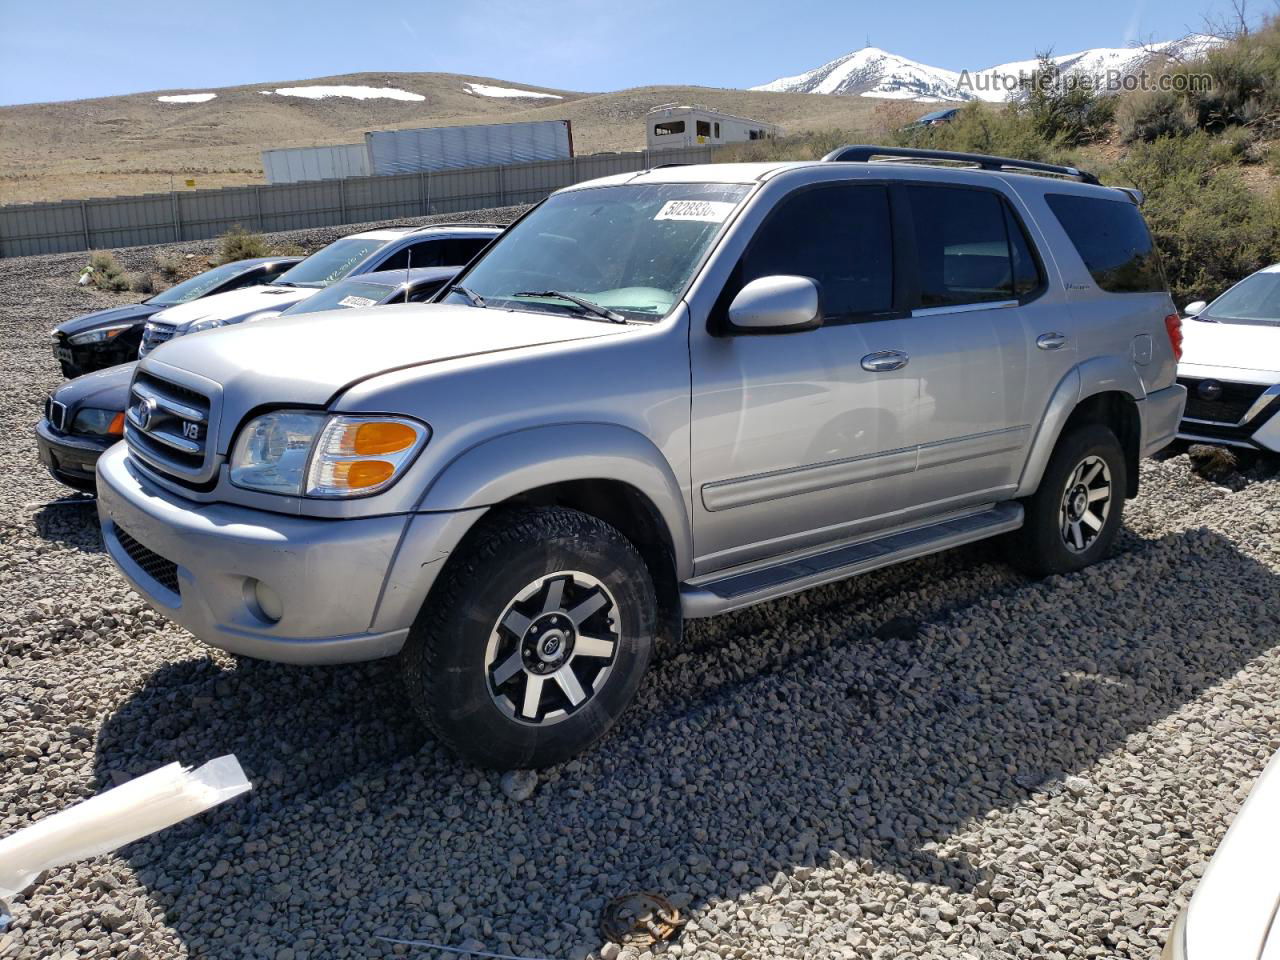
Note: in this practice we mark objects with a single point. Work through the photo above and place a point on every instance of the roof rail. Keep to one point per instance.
(868, 154)
(456, 223)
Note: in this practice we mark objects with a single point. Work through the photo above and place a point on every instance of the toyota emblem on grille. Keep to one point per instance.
(1209, 390)
(144, 411)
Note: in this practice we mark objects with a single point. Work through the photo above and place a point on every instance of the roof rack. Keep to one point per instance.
(460, 223)
(868, 154)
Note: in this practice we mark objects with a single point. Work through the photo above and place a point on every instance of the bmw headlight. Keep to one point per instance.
(304, 453)
(100, 335)
(208, 323)
(99, 423)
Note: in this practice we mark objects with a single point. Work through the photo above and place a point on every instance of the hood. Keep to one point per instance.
(235, 305)
(307, 359)
(105, 389)
(135, 312)
(1250, 348)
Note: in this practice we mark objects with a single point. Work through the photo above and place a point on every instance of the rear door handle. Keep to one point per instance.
(884, 360)
(1051, 341)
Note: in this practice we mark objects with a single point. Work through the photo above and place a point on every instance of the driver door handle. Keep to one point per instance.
(1051, 341)
(883, 361)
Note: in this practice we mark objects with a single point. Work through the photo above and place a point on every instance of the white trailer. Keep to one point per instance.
(477, 145)
(426, 148)
(295, 164)
(675, 125)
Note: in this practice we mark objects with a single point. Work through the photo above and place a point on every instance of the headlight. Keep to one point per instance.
(99, 423)
(301, 453)
(100, 335)
(208, 323)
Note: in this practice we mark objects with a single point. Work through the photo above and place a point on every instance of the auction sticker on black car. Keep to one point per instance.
(704, 211)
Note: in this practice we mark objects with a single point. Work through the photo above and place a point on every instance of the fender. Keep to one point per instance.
(513, 463)
(1084, 380)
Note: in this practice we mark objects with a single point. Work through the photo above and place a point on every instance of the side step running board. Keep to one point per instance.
(791, 576)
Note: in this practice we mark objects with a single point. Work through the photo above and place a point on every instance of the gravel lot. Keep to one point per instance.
(1039, 770)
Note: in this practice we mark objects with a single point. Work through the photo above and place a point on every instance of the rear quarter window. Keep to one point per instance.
(1112, 240)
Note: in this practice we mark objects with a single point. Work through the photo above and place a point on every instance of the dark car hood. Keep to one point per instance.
(104, 390)
(135, 311)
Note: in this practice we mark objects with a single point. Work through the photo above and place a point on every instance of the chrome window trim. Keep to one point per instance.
(963, 308)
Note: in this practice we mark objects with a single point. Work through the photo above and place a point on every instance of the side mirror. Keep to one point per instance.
(1192, 309)
(779, 304)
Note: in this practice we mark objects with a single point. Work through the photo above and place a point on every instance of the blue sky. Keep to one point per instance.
(69, 49)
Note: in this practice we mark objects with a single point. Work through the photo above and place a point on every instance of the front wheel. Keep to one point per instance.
(535, 640)
(1073, 517)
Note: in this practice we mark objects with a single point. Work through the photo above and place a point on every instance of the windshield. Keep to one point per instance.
(198, 285)
(631, 249)
(1254, 299)
(331, 263)
(342, 296)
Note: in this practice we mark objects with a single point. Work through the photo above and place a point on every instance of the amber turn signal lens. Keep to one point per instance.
(383, 437)
(117, 425)
(359, 474)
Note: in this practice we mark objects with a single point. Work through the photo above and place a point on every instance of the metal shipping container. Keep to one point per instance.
(480, 145)
(295, 164)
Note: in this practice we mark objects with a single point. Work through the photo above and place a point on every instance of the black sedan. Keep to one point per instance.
(86, 416)
(81, 420)
(105, 338)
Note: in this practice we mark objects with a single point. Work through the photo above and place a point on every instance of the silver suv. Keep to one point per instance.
(657, 396)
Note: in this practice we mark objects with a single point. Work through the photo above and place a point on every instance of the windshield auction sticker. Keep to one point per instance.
(705, 211)
(353, 301)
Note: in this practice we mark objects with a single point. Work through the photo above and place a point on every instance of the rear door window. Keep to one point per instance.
(839, 235)
(963, 249)
(1112, 240)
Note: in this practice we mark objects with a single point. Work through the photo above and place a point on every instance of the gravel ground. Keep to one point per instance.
(939, 760)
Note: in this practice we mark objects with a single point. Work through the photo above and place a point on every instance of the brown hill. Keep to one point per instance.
(136, 144)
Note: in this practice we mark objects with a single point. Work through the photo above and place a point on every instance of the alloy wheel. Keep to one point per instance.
(1086, 503)
(552, 648)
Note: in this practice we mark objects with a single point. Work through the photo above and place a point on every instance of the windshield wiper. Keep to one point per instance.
(592, 308)
(475, 299)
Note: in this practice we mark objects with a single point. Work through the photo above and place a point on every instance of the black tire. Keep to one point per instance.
(456, 647)
(1050, 541)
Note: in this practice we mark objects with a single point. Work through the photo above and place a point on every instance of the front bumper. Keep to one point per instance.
(1249, 419)
(78, 360)
(71, 459)
(348, 590)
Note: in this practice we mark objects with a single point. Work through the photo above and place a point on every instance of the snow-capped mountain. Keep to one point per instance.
(872, 72)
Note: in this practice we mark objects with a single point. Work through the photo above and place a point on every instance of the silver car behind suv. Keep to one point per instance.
(659, 395)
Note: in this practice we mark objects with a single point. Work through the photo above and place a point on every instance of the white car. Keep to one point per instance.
(1231, 366)
(1232, 914)
(391, 248)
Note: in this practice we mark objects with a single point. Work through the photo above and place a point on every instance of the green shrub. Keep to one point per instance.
(1210, 228)
(239, 244)
(1064, 109)
(107, 274)
(142, 283)
(1004, 131)
(1148, 115)
(169, 265)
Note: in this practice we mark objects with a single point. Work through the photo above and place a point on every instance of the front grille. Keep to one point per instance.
(154, 334)
(162, 571)
(56, 414)
(1229, 408)
(168, 426)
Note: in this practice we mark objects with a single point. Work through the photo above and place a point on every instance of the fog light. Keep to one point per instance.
(263, 601)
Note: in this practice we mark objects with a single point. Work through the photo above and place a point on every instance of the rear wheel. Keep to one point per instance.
(534, 641)
(1073, 518)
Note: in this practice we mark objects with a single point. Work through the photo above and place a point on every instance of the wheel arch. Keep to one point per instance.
(1103, 390)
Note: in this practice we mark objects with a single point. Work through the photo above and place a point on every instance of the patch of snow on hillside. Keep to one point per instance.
(488, 90)
(355, 93)
(187, 98)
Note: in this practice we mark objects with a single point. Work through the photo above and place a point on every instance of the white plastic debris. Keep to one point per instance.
(118, 816)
